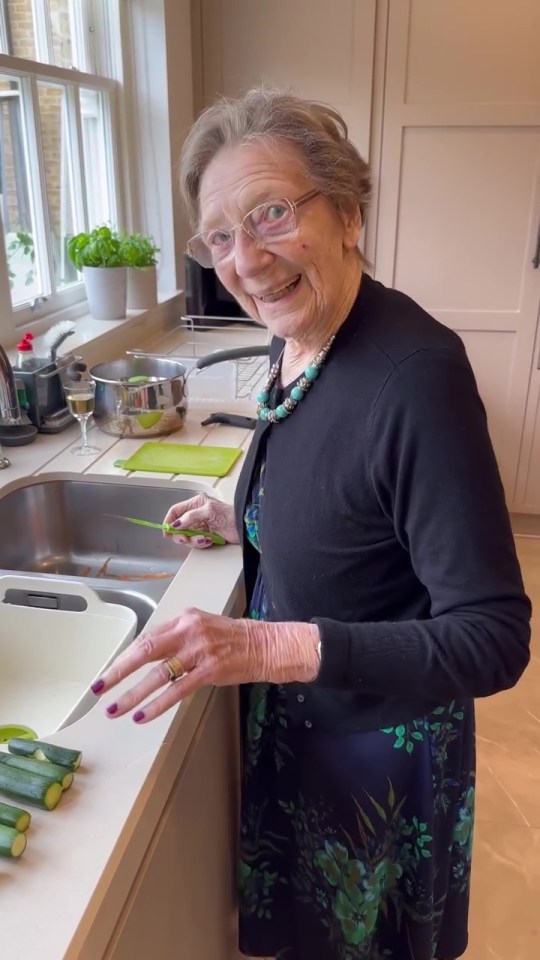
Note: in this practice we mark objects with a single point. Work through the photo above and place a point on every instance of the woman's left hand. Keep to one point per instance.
(212, 650)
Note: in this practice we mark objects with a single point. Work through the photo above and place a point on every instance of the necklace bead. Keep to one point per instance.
(298, 392)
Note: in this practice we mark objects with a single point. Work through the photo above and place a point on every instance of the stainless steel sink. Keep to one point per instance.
(57, 525)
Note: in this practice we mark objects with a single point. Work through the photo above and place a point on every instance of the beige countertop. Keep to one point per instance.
(82, 857)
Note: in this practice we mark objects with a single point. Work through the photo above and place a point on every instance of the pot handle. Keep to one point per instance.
(234, 353)
(153, 356)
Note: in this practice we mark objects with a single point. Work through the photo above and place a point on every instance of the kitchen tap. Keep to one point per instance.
(9, 402)
(4, 462)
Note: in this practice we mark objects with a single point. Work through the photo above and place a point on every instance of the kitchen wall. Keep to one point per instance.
(444, 100)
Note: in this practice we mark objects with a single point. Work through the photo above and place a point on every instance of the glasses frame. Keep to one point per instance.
(292, 204)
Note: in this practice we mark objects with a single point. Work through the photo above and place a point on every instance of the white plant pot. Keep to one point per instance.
(106, 289)
(142, 288)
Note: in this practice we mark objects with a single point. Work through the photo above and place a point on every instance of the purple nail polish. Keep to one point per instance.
(97, 687)
(138, 716)
(177, 523)
(202, 541)
(112, 709)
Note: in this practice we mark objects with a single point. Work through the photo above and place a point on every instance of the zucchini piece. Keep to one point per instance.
(14, 817)
(42, 767)
(45, 792)
(46, 751)
(12, 842)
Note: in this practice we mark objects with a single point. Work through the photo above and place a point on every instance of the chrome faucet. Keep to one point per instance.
(10, 412)
(9, 402)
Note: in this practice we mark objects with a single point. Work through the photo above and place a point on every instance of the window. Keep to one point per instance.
(59, 145)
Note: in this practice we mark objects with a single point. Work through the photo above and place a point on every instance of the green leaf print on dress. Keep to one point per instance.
(463, 842)
(444, 731)
(354, 885)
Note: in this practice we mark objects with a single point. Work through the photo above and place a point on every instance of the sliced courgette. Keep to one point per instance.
(46, 751)
(14, 817)
(45, 792)
(42, 767)
(12, 842)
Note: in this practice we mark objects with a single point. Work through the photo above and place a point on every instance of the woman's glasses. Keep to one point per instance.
(264, 224)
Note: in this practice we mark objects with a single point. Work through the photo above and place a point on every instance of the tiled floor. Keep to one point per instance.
(505, 910)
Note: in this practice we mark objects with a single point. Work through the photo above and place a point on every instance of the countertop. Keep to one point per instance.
(82, 857)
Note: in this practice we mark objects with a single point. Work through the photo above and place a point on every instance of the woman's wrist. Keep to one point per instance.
(289, 652)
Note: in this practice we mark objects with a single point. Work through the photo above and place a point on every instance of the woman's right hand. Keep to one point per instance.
(202, 513)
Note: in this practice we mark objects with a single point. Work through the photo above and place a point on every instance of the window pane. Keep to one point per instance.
(60, 30)
(43, 30)
(95, 158)
(20, 29)
(58, 178)
(16, 202)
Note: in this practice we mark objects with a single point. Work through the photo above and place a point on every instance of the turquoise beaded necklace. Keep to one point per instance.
(298, 392)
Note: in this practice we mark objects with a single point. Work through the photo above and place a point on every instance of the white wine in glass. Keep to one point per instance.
(80, 400)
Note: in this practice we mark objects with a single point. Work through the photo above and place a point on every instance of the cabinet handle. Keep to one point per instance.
(536, 258)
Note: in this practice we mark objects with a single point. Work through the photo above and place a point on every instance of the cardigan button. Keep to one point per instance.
(301, 698)
(308, 724)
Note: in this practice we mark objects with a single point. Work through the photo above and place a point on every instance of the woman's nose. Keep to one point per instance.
(249, 257)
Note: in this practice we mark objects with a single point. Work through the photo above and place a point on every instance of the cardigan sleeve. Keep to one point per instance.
(434, 473)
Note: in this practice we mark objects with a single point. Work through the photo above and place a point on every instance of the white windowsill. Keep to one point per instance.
(100, 340)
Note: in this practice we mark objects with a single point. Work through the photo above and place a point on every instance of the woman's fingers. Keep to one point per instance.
(179, 510)
(174, 693)
(157, 677)
(199, 542)
(146, 648)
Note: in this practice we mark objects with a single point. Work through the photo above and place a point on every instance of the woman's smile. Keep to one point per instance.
(279, 293)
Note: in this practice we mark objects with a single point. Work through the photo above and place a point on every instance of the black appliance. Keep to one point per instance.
(207, 297)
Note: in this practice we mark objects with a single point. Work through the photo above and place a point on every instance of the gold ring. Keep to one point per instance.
(175, 667)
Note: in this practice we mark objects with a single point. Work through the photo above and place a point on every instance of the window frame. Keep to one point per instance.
(70, 302)
(148, 129)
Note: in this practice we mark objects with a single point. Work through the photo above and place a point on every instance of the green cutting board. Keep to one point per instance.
(182, 458)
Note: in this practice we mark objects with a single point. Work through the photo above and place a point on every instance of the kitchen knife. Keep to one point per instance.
(168, 528)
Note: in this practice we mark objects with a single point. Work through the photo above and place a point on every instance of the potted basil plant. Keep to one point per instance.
(100, 258)
(139, 254)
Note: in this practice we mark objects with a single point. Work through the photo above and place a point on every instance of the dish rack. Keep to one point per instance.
(233, 382)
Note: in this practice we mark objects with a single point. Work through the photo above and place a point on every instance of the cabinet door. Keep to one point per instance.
(182, 904)
(527, 499)
(459, 200)
(319, 50)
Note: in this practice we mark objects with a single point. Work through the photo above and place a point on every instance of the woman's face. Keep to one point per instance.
(297, 284)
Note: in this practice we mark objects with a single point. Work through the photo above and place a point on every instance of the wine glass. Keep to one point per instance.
(80, 400)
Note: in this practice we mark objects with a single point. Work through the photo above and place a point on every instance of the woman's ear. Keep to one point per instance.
(352, 223)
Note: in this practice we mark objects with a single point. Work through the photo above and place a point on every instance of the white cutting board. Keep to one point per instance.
(49, 658)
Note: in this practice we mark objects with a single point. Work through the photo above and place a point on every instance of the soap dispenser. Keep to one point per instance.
(25, 353)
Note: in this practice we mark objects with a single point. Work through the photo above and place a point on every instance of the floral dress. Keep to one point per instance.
(356, 846)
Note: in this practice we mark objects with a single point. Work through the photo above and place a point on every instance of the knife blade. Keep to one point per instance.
(168, 528)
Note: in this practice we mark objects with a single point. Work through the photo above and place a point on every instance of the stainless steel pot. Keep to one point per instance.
(140, 396)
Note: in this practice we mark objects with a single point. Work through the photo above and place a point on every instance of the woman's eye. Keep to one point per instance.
(218, 238)
(275, 211)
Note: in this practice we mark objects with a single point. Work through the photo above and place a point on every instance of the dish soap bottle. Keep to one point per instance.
(25, 353)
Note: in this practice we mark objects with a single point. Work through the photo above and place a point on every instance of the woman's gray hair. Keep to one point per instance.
(319, 133)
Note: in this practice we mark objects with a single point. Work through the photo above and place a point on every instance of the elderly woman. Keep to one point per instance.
(384, 591)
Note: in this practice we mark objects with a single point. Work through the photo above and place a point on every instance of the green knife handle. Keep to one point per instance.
(179, 531)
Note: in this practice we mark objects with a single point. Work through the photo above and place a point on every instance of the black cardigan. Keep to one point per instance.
(384, 522)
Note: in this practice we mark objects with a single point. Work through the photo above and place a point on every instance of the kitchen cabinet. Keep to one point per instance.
(182, 902)
(527, 498)
(444, 98)
(315, 49)
(459, 204)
